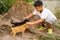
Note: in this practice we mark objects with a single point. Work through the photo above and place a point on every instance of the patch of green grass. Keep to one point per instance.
(50, 37)
(58, 14)
(6, 4)
(57, 25)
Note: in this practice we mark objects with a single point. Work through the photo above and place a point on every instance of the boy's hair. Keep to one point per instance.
(38, 3)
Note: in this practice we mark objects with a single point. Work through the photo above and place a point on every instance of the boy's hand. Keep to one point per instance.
(25, 18)
(29, 16)
(29, 23)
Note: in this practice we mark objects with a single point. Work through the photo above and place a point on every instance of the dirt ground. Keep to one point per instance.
(27, 36)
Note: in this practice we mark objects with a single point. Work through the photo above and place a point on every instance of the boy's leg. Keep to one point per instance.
(49, 26)
(43, 26)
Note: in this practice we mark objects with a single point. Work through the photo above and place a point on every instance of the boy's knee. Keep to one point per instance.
(49, 25)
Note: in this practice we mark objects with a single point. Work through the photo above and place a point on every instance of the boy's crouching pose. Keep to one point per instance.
(44, 14)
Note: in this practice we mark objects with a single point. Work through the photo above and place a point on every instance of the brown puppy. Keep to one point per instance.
(19, 29)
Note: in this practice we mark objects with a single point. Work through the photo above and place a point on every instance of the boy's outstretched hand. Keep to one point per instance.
(25, 18)
(30, 23)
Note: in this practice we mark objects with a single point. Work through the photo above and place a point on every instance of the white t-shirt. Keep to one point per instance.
(47, 15)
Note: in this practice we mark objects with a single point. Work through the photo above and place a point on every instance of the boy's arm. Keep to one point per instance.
(29, 16)
(39, 21)
(36, 22)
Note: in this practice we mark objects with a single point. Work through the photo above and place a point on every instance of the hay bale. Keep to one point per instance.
(18, 11)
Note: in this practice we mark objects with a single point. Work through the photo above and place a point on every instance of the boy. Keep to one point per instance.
(45, 16)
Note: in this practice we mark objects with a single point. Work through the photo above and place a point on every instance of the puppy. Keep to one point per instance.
(19, 27)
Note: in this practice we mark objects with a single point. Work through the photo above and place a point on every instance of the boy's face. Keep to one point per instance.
(39, 8)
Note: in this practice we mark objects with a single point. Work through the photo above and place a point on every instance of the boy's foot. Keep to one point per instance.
(42, 28)
(49, 31)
